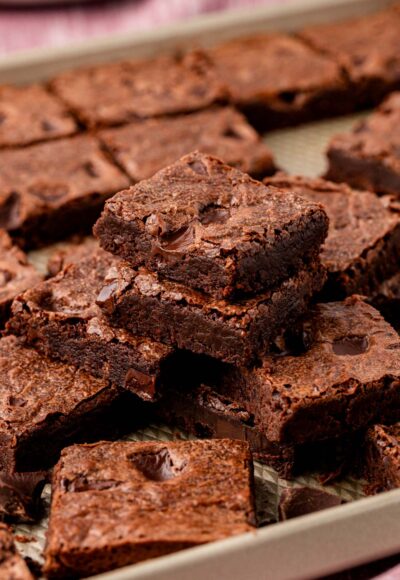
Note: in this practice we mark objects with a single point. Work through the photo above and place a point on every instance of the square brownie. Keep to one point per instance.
(143, 148)
(363, 244)
(211, 227)
(16, 274)
(277, 80)
(120, 92)
(31, 114)
(61, 319)
(382, 458)
(366, 48)
(347, 373)
(51, 190)
(368, 157)
(45, 405)
(119, 503)
(12, 564)
(235, 332)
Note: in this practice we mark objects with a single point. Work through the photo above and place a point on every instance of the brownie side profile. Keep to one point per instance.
(211, 227)
(61, 319)
(367, 48)
(382, 458)
(235, 332)
(45, 405)
(368, 156)
(116, 93)
(387, 300)
(116, 504)
(12, 564)
(30, 114)
(144, 147)
(16, 274)
(363, 244)
(277, 80)
(349, 375)
(51, 190)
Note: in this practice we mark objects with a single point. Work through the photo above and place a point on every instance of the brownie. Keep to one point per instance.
(363, 244)
(116, 504)
(387, 300)
(366, 48)
(382, 458)
(143, 148)
(16, 274)
(211, 227)
(31, 114)
(119, 92)
(277, 80)
(348, 375)
(45, 405)
(51, 190)
(61, 319)
(368, 157)
(20, 495)
(238, 332)
(300, 501)
(12, 565)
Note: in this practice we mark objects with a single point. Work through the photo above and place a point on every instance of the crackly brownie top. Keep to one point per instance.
(352, 346)
(189, 491)
(143, 148)
(387, 441)
(47, 175)
(16, 274)
(71, 296)
(376, 137)
(122, 280)
(275, 68)
(33, 389)
(358, 220)
(29, 114)
(367, 47)
(199, 205)
(115, 93)
(12, 565)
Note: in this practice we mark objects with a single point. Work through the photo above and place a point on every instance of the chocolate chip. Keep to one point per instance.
(157, 466)
(350, 345)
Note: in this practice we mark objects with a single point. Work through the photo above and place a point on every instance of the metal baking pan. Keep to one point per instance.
(311, 546)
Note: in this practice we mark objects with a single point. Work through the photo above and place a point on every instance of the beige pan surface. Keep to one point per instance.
(314, 545)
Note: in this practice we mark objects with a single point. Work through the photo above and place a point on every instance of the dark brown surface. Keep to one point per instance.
(119, 503)
(20, 495)
(60, 318)
(12, 565)
(46, 405)
(211, 227)
(382, 458)
(277, 80)
(387, 300)
(16, 274)
(51, 190)
(368, 157)
(175, 315)
(300, 501)
(363, 244)
(31, 114)
(367, 48)
(145, 147)
(116, 93)
(347, 378)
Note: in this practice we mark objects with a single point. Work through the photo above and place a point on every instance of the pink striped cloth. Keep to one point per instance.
(25, 28)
